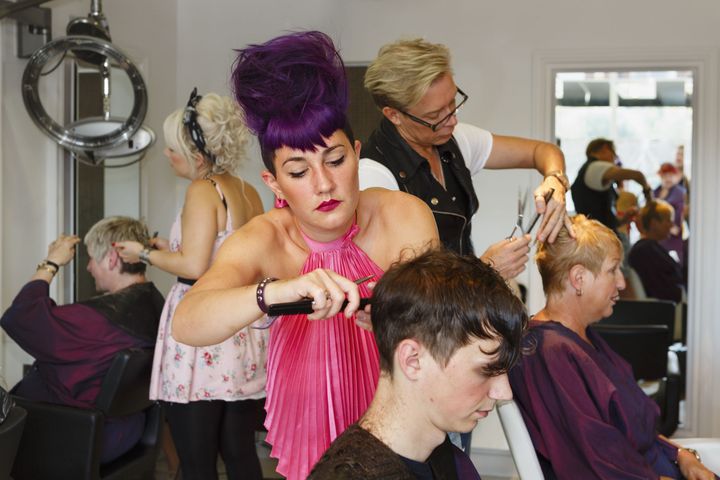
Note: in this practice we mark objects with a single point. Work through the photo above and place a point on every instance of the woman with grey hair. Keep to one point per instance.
(74, 344)
(421, 148)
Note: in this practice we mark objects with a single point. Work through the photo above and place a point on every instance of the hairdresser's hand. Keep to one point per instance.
(129, 251)
(508, 256)
(554, 214)
(62, 250)
(363, 317)
(327, 289)
(691, 468)
(160, 243)
(628, 215)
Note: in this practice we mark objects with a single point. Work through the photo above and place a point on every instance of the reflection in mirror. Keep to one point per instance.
(100, 192)
(648, 117)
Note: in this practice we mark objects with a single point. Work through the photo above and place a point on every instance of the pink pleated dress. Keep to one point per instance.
(322, 374)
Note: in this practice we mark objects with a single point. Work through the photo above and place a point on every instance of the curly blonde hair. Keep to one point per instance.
(223, 127)
(592, 244)
(404, 70)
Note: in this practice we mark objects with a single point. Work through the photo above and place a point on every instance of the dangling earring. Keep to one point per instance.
(280, 202)
(578, 292)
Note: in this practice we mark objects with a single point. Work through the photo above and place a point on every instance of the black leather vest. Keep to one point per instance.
(413, 175)
(591, 203)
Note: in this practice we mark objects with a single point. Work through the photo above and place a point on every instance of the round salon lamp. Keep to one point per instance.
(95, 138)
(94, 25)
(140, 141)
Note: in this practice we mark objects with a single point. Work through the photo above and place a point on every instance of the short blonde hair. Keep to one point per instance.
(224, 130)
(103, 234)
(404, 70)
(592, 244)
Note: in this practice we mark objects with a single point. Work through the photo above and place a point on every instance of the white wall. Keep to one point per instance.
(187, 43)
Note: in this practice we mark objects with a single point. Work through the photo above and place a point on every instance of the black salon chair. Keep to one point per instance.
(10, 433)
(63, 442)
(645, 348)
(644, 312)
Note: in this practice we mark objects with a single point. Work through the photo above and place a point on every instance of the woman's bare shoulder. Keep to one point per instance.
(402, 220)
(392, 206)
(266, 227)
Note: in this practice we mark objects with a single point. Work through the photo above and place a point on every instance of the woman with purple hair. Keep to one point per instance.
(325, 240)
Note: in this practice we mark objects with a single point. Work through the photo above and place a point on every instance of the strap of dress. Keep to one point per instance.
(222, 196)
(228, 222)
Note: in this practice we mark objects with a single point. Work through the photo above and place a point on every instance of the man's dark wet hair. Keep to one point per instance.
(445, 301)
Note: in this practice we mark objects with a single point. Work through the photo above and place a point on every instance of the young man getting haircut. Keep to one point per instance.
(448, 329)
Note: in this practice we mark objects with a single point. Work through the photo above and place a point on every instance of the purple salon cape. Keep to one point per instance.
(586, 415)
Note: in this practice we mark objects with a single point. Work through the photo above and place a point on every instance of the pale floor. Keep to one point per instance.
(268, 465)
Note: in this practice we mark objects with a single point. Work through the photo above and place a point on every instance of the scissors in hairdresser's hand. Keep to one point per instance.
(303, 307)
(522, 200)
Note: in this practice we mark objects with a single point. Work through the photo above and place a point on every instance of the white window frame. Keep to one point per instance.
(702, 418)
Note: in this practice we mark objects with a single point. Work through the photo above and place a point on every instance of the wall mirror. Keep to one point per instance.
(650, 116)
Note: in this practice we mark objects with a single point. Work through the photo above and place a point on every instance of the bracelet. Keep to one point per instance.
(690, 450)
(260, 293)
(52, 264)
(145, 256)
(50, 267)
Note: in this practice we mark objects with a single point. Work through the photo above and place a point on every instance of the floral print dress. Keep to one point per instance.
(232, 370)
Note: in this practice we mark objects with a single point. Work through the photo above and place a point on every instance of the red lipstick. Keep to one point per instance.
(328, 205)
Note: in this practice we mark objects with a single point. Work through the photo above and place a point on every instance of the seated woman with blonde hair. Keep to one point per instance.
(586, 415)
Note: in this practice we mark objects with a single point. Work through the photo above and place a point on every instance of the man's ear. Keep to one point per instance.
(392, 114)
(272, 183)
(407, 358)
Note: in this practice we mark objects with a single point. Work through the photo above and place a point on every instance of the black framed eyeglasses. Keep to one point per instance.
(460, 99)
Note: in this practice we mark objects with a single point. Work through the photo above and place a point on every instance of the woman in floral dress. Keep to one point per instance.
(213, 395)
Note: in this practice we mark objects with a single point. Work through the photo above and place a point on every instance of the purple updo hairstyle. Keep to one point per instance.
(293, 90)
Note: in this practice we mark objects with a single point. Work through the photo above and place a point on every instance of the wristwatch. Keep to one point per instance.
(50, 267)
(562, 178)
(145, 256)
(693, 451)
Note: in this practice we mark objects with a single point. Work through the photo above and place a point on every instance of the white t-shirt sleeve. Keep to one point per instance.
(594, 175)
(475, 145)
(375, 174)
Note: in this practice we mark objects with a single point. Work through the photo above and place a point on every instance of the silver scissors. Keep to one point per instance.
(522, 201)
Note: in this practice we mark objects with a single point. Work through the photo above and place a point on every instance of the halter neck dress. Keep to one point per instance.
(231, 370)
(322, 374)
